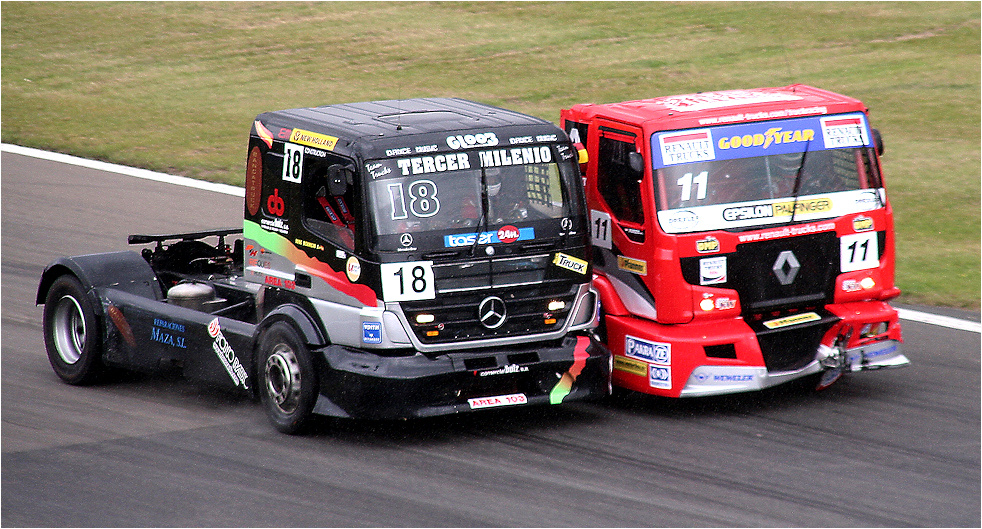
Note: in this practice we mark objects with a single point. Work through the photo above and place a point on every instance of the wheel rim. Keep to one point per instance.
(69, 330)
(283, 380)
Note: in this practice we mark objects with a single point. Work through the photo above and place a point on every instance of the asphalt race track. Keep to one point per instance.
(891, 448)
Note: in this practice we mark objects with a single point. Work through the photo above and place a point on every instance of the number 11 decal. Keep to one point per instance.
(600, 227)
(859, 251)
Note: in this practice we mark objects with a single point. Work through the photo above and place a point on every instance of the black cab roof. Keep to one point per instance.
(375, 128)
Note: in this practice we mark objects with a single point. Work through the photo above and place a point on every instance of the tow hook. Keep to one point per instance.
(836, 362)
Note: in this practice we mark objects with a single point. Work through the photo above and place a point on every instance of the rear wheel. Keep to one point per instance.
(71, 334)
(288, 382)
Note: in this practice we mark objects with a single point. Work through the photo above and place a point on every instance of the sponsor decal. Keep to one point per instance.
(508, 234)
(815, 205)
(227, 355)
(772, 136)
(275, 205)
(275, 225)
(725, 303)
(759, 211)
(708, 245)
(421, 149)
(708, 376)
(675, 221)
(517, 156)
(313, 139)
(371, 332)
(274, 281)
(352, 268)
(504, 370)
(862, 223)
(712, 271)
(485, 139)
(377, 170)
(844, 131)
(652, 352)
(308, 244)
(254, 181)
(635, 266)
(723, 99)
(168, 333)
(687, 147)
(788, 232)
(570, 263)
(487, 237)
(629, 365)
(500, 400)
(264, 134)
(660, 376)
(788, 321)
(851, 285)
(431, 164)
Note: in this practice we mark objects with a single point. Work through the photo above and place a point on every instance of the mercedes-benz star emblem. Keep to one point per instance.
(406, 239)
(491, 312)
(790, 262)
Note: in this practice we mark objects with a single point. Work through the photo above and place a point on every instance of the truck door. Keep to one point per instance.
(620, 172)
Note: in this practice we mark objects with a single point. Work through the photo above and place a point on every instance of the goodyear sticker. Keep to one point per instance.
(631, 366)
(635, 266)
(570, 263)
(792, 320)
(313, 139)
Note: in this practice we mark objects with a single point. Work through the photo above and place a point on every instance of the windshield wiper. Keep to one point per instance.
(482, 223)
(797, 182)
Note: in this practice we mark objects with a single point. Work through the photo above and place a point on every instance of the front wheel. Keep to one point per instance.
(71, 334)
(288, 384)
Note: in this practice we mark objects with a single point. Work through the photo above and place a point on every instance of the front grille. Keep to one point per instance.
(751, 272)
(524, 283)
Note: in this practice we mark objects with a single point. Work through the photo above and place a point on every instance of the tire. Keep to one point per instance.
(288, 383)
(72, 335)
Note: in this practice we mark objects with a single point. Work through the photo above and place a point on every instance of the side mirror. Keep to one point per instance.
(636, 162)
(878, 141)
(338, 178)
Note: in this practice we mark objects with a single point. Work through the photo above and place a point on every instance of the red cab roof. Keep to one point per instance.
(720, 107)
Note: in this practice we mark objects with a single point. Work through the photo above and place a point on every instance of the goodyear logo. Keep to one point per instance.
(773, 136)
(313, 139)
(862, 223)
(635, 266)
(792, 320)
(707, 245)
(570, 263)
(631, 366)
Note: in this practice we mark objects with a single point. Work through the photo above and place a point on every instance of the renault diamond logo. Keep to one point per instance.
(786, 267)
(491, 312)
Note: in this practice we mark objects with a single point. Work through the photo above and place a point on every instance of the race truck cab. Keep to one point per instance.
(398, 259)
(742, 239)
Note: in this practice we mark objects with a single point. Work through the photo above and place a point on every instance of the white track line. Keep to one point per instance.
(122, 169)
(907, 314)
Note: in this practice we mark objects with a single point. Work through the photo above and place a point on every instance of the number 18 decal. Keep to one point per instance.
(407, 281)
(859, 251)
(600, 227)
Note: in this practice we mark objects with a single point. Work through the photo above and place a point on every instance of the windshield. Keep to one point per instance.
(452, 200)
(744, 176)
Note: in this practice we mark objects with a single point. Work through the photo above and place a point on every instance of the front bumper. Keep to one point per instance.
(362, 384)
(709, 380)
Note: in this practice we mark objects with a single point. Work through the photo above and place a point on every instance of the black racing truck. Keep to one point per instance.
(397, 259)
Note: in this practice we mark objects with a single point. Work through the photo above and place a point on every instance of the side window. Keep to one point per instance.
(619, 184)
(330, 211)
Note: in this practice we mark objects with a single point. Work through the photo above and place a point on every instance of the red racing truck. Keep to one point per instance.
(742, 239)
